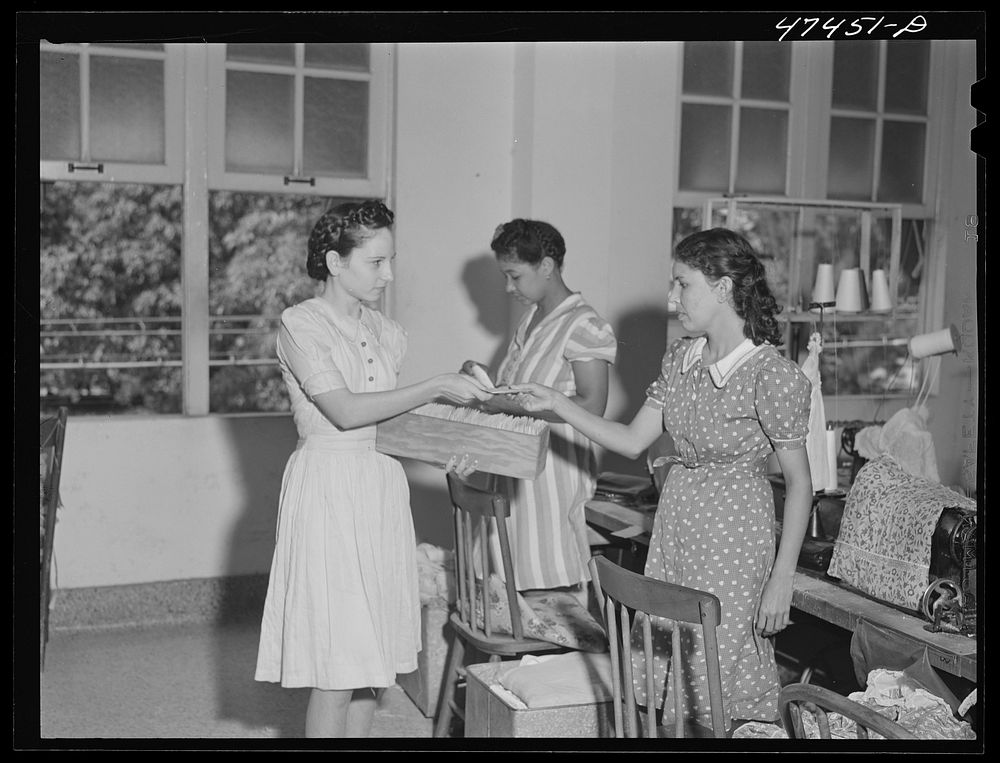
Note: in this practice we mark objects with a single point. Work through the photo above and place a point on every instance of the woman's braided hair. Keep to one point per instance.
(528, 241)
(343, 228)
(721, 252)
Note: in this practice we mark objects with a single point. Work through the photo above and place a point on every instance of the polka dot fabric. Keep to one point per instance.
(714, 527)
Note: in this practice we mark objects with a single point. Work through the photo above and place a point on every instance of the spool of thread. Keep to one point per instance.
(823, 288)
(881, 301)
(831, 457)
(936, 343)
(852, 297)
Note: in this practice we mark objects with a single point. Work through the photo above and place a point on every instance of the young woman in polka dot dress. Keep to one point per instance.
(728, 400)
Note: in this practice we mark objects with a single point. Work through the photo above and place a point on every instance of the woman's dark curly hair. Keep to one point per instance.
(528, 241)
(721, 252)
(343, 228)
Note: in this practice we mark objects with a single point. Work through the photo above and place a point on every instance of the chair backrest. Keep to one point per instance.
(819, 701)
(474, 508)
(52, 434)
(624, 594)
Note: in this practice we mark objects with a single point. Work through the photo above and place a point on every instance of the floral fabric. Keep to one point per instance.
(884, 545)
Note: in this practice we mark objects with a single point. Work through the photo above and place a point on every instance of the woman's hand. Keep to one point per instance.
(463, 466)
(479, 372)
(461, 388)
(535, 397)
(775, 603)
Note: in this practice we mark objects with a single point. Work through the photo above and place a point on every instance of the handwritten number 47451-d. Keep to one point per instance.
(848, 27)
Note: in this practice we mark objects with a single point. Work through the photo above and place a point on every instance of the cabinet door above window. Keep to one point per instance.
(300, 117)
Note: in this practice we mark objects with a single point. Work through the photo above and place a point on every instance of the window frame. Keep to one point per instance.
(171, 172)
(810, 90)
(194, 124)
(374, 184)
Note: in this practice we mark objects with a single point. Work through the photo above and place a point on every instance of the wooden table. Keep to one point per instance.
(818, 595)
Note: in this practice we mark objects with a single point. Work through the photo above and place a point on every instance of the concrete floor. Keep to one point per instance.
(191, 681)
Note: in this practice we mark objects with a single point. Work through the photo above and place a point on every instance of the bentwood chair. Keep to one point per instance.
(626, 594)
(476, 626)
(799, 698)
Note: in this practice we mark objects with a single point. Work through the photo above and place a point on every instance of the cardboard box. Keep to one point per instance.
(423, 685)
(515, 446)
(487, 714)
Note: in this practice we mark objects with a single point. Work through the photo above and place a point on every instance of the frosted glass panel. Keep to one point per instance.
(131, 45)
(259, 122)
(855, 75)
(763, 151)
(766, 70)
(902, 171)
(262, 53)
(127, 122)
(852, 156)
(347, 55)
(708, 68)
(59, 112)
(906, 68)
(704, 161)
(335, 140)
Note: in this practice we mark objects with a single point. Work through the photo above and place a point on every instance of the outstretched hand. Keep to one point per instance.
(462, 388)
(535, 397)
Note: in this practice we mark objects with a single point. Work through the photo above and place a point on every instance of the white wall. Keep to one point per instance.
(568, 132)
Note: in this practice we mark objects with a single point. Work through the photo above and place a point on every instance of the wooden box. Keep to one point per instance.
(488, 714)
(515, 446)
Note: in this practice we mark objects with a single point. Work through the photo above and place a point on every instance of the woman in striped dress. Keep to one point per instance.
(563, 343)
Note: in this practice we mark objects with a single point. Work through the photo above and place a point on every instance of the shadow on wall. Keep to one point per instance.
(485, 287)
(642, 342)
(261, 447)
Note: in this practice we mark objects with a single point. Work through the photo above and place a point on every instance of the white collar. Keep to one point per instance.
(722, 370)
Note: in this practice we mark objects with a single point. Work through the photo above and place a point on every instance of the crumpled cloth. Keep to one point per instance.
(573, 678)
(816, 449)
(890, 693)
(435, 574)
(904, 437)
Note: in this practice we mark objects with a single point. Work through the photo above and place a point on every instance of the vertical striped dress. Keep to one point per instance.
(547, 523)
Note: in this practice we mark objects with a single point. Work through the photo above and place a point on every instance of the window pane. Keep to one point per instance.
(763, 151)
(127, 110)
(855, 75)
(257, 268)
(262, 53)
(347, 55)
(708, 68)
(59, 92)
(906, 70)
(704, 160)
(110, 297)
(902, 172)
(852, 157)
(865, 357)
(335, 140)
(766, 70)
(260, 122)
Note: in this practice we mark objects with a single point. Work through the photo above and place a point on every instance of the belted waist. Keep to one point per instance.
(359, 441)
(735, 465)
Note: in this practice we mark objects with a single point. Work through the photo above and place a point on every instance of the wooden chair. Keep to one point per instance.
(52, 433)
(473, 508)
(798, 697)
(624, 594)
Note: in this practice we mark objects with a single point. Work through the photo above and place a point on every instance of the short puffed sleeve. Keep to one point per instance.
(305, 344)
(591, 338)
(782, 401)
(656, 393)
